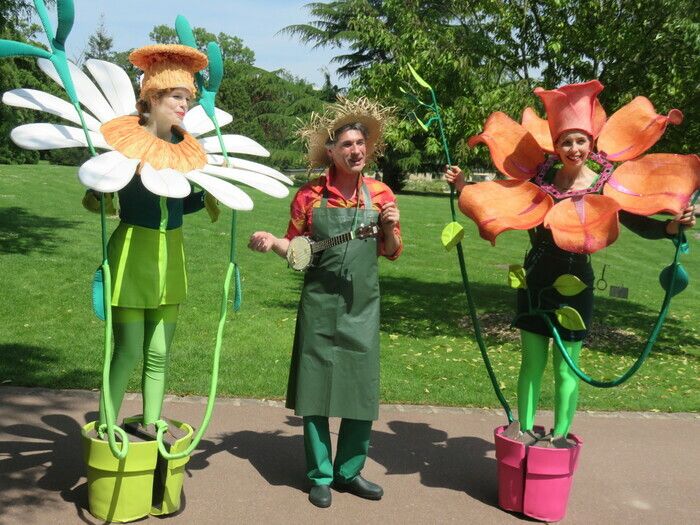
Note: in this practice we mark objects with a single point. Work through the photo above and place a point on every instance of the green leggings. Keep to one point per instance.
(534, 360)
(141, 333)
(353, 444)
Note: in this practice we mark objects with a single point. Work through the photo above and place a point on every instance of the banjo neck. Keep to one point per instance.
(319, 246)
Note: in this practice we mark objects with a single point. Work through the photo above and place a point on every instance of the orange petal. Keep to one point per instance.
(514, 150)
(584, 224)
(497, 206)
(655, 183)
(633, 129)
(539, 129)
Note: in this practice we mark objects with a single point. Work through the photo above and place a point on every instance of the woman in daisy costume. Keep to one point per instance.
(573, 211)
(146, 250)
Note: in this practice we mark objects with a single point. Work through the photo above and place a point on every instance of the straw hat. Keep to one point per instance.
(321, 128)
(167, 66)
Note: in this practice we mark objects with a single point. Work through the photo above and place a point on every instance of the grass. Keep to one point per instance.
(50, 247)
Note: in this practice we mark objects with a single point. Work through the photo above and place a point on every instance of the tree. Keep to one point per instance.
(487, 55)
(100, 43)
(232, 47)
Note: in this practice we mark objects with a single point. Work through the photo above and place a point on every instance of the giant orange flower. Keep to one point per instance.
(582, 221)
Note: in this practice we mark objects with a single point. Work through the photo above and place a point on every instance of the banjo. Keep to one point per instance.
(302, 250)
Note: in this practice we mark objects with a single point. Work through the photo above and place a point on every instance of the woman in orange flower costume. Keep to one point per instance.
(575, 208)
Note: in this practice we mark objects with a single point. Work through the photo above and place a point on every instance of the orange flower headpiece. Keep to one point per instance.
(583, 221)
(572, 107)
(167, 66)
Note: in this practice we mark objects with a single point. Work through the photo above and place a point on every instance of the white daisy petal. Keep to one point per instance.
(41, 101)
(234, 144)
(88, 94)
(166, 182)
(260, 182)
(197, 122)
(225, 192)
(254, 167)
(115, 84)
(108, 172)
(54, 136)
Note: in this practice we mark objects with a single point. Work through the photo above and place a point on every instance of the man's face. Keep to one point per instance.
(349, 152)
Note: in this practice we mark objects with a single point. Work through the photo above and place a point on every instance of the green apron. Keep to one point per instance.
(335, 359)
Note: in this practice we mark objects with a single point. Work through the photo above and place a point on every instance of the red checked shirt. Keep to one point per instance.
(309, 197)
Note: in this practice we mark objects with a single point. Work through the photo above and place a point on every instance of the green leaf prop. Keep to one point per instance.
(680, 281)
(569, 285)
(66, 17)
(516, 276)
(570, 318)
(418, 78)
(421, 123)
(451, 235)
(10, 48)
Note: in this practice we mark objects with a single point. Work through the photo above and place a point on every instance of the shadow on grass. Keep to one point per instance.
(36, 366)
(423, 309)
(22, 232)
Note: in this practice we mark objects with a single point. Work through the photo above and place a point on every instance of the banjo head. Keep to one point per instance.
(299, 253)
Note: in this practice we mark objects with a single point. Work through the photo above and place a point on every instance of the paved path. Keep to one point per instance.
(436, 465)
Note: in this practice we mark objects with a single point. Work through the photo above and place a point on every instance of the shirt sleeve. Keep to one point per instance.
(298, 214)
(645, 227)
(193, 202)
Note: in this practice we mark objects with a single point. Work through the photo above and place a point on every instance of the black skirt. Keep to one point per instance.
(543, 265)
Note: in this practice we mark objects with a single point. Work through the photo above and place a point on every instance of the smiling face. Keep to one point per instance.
(349, 152)
(169, 108)
(573, 148)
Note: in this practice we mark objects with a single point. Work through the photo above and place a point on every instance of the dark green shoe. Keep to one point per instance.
(320, 495)
(359, 486)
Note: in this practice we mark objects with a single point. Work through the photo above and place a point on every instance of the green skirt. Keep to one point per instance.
(147, 266)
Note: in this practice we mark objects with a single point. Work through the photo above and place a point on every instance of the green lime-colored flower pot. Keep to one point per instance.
(118, 490)
(170, 474)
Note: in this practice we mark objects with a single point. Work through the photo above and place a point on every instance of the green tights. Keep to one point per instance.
(141, 333)
(534, 360)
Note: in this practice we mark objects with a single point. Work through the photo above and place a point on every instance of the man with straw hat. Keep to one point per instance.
(335, 361)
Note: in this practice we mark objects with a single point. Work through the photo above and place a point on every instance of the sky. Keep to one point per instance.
(256, 22)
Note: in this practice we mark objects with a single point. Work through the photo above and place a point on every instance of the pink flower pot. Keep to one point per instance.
(533, 480)
(548, 479)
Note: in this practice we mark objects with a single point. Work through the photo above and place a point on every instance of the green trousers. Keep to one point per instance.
(353, 444)
(535, 348)
(141, 334)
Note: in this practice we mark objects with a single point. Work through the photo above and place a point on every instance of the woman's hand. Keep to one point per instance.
(686, 218)
(454, 175)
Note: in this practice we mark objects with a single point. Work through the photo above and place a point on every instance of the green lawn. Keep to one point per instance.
(50, 246)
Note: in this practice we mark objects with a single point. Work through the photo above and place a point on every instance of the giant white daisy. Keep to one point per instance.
(166, 169)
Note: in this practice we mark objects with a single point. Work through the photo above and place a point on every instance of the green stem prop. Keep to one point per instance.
(436, 117)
